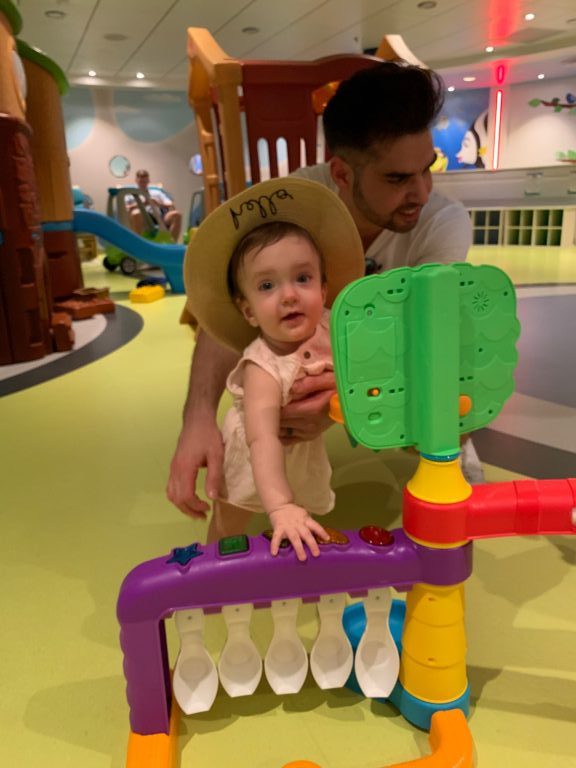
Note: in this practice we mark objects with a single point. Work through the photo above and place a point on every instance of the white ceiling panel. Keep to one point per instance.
(165, 47)
(117, 38)
(266, 17)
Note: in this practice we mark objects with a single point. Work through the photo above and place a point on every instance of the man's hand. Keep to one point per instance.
(295, 524)
(306, 416)
(199, 445)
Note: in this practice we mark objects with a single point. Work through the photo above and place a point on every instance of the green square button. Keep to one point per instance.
(233, 545)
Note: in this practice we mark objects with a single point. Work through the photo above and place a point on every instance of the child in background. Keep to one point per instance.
(288, 245)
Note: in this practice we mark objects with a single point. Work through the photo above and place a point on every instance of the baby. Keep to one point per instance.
(293, 246)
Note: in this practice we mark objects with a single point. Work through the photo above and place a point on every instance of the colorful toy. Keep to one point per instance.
(145, 294)
(421, 355)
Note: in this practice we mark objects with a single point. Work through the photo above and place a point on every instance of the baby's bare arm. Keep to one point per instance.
(262, 402)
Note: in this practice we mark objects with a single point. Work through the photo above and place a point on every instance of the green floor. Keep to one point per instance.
(84, 462)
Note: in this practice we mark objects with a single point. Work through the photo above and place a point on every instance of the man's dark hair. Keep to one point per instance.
(381, 104)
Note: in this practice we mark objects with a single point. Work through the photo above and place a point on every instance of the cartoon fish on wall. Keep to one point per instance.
(441, 163)
(474, 143)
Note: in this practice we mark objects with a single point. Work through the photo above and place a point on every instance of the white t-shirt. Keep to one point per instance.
(155, 194)
(442, 235)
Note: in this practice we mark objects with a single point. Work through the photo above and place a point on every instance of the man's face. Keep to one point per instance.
(142, 180)
(392, 183)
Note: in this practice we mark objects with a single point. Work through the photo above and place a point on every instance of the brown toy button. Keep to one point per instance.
(378, 537)
(336, 537)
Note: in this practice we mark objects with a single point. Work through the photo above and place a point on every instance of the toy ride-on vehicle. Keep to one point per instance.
(154, 227)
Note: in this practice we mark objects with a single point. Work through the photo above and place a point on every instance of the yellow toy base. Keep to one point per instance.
(147, 293)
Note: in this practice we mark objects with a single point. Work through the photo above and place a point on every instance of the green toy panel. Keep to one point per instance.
(407, 343)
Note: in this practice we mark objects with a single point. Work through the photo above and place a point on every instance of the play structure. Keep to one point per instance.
(422, 355)
(167, 256)
(38, 257)
(279, 101)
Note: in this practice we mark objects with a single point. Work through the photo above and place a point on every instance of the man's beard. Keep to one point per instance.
(384, 222)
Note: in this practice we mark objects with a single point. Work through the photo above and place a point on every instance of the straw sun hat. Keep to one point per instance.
(299, 201)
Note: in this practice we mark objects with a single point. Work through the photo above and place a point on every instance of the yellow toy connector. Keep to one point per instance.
(147, 293)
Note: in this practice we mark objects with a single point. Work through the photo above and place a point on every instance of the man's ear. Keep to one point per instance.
(342, 173)
(246, 310)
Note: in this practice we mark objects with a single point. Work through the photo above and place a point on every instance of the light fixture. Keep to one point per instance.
(497, 131)
(91, 73)
(54, 14)
(427, 5)
(450, 89)
(140, 75)
(530, 16)
(489, 49)
(251, 30)
(469, 79)
(541, 76)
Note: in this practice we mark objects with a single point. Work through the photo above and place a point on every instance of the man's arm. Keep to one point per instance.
(200, 442)
(306, 415)
(161, 199)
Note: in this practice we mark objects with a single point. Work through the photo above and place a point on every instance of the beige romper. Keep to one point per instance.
(307, 467)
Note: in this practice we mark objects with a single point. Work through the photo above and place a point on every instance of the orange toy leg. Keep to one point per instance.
(158, 750)
(451, 742)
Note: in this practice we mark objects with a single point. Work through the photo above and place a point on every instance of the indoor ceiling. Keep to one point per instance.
(118, 38)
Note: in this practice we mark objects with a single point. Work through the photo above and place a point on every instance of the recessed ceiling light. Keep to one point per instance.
(530, 16)
(140, 75)
(451, 89)
(251, 30)
(54, 14)
(91, 73)
(427, 5)
(469, 79)
(489, 48)
(541, 76)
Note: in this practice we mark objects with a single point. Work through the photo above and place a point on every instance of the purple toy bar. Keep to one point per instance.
(241, 570)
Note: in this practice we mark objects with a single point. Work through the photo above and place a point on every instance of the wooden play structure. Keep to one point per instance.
(278, 100)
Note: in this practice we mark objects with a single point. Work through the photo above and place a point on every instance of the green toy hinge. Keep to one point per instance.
(407, 343)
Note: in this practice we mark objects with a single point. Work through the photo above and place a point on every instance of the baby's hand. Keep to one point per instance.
(295, 524)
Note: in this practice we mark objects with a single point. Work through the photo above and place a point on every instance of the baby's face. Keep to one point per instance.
(283, 292)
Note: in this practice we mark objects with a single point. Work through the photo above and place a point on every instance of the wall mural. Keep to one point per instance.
(556, 103)
(460, 133)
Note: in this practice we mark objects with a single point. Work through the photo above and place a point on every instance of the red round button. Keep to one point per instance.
(373, 534)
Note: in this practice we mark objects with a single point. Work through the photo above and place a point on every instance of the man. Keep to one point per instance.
(161, 206)
(377, 129)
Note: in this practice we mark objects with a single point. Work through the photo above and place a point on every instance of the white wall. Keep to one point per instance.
(532, 136)
(96, 132)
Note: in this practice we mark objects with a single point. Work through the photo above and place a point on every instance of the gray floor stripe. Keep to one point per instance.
(121, 328)
(523, 456)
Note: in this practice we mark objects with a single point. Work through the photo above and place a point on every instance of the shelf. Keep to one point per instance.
(530, 226)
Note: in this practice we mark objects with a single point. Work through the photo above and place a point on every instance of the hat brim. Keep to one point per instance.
(307, 203)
